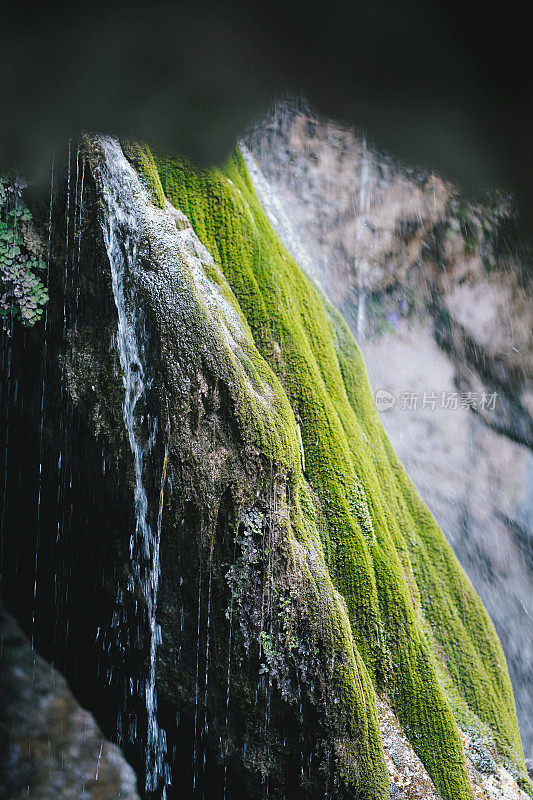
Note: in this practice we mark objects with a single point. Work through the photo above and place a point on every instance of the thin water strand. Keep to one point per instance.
(121, 241)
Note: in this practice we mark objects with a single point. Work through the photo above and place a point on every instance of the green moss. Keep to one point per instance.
(457, 626)
(405, 610)
(140, 157)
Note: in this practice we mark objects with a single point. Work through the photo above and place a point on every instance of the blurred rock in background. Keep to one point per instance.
(50, 747)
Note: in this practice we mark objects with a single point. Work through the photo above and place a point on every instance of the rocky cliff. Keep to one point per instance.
(205, 524)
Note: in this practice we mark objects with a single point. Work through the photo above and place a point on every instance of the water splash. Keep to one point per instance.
(120, 229)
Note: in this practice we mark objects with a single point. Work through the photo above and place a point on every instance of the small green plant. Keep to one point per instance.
(22, 293)
(267, 643)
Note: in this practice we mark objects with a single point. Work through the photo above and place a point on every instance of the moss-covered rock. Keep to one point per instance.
(301, 575)
(413, 614)
(140, 157)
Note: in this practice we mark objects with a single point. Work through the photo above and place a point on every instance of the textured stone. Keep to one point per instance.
(51, 748)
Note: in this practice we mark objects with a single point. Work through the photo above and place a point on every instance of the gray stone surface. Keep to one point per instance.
(51, 748)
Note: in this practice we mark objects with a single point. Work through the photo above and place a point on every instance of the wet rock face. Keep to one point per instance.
(165, 545)
(447, 313)
(65, 525)
(210, 493)
(51, 747)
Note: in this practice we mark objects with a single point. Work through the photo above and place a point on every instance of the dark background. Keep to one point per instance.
(444, 86)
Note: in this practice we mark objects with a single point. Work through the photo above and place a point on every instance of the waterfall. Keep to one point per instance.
(121, 235)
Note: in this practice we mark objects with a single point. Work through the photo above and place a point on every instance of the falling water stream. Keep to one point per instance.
(363, 208)
(121, 235)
